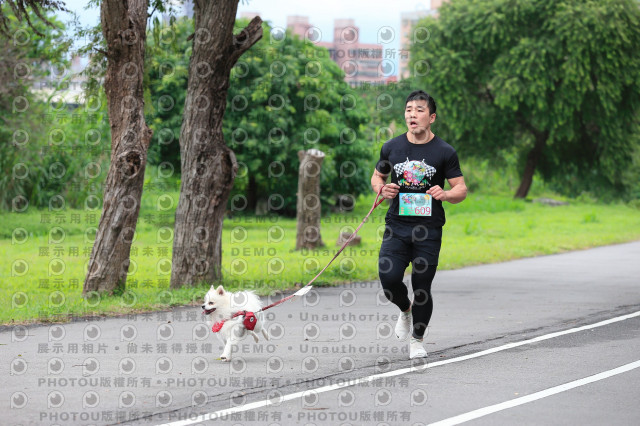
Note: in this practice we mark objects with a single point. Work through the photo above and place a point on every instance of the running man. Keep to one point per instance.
(418, 162)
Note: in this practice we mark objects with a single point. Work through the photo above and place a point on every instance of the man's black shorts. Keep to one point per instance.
(408, 242)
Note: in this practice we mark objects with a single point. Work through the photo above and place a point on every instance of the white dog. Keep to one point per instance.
(221, 305)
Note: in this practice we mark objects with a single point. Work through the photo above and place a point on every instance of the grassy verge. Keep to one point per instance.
(45, 264)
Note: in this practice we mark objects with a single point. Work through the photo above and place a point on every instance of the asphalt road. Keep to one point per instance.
(547, 340)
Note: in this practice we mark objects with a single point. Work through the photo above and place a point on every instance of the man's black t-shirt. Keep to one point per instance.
(416, 168)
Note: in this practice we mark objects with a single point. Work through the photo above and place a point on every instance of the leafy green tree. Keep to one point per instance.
(32, 12)
(556, 81)
(285, 95)
(288, 95)
(30, 173)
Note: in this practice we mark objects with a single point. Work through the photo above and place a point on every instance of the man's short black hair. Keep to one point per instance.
(421, 95)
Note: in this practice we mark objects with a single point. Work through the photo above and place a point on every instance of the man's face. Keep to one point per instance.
(417, 117)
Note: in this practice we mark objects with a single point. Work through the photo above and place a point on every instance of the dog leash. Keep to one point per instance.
(250, 318)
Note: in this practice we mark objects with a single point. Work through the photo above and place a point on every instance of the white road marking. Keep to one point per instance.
(471, 415)
(354, 382)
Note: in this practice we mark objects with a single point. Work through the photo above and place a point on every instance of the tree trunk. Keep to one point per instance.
(530, 166)
(308, 205)
(208, 166)
(124, 29)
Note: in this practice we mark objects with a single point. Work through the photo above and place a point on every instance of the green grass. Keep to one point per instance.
(258, 253)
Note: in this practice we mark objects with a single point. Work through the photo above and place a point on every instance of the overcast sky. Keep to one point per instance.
(370, 16)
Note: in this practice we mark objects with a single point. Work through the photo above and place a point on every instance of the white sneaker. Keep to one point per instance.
(403, 326)
(416, 349)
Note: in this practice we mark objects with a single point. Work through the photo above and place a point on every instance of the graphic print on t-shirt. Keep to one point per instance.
(414, 174)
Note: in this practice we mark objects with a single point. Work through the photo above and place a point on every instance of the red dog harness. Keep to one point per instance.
(250, 318)
(249, 322)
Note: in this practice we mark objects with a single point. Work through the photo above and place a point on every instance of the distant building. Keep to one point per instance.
(361, 62)
(409, 32)
(299, 25)
(65, 84)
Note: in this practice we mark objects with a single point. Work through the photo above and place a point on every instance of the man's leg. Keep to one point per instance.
(425, 255)
(395, 255)
(422, 309)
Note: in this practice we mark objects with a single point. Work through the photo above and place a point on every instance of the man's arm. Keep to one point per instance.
(456, 194)
(378, 180)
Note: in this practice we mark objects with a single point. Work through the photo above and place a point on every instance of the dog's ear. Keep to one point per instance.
(220, 290)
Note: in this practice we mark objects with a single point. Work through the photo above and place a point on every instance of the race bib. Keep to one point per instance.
(414, 204)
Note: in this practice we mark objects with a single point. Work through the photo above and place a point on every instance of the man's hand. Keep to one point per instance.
(457, 193)
(437, 193)
(390, 191)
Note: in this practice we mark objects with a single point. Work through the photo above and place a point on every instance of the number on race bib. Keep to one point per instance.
(414, 204)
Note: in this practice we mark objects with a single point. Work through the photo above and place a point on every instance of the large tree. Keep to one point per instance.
(556, 81)
(124, 25)
(208, 166)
